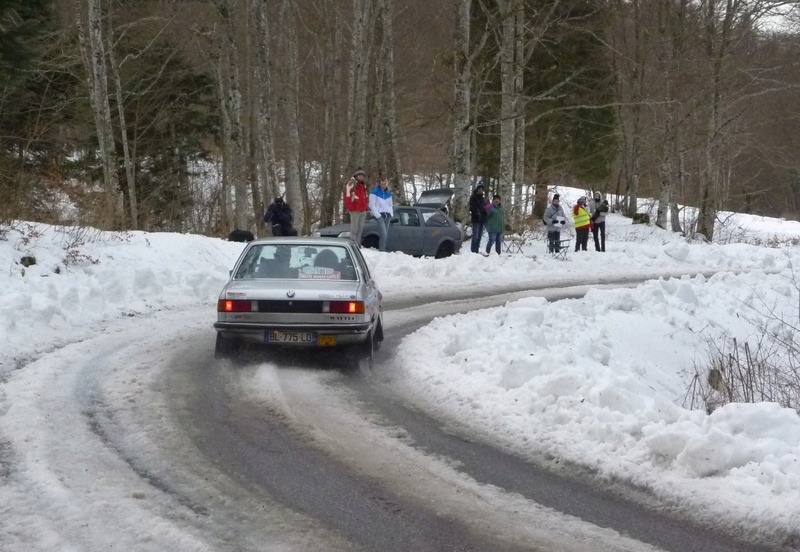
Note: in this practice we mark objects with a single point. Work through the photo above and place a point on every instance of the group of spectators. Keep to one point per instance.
(488, 216)
(357, 200)
(589, 216)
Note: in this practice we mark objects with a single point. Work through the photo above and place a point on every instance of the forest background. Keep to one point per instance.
(191, 116)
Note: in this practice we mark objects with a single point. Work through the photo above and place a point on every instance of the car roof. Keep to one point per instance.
(304, 240)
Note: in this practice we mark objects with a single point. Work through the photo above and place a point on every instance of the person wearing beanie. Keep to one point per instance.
(599, 208)
(555, 219)
(477, 212)
(357, 202)
(583, 223)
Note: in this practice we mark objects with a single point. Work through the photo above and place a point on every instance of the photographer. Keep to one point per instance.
(555, 219)
(599, 208)
(279, 217)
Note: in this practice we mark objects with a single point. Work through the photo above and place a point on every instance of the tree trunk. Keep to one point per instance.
(232, 102)
(225, 221)
(95, 60)
(630, 63)
(332, 85)
(296, 194)
(263, 77)
(359, 80)
(462, 131)
(517, 208)
(130, 175)
(508, 111)
(390, 134)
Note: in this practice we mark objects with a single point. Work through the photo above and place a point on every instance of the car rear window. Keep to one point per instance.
(296, 262)
(435, 218)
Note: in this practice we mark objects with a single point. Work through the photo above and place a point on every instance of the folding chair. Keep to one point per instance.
(562, 248)
(512, 244)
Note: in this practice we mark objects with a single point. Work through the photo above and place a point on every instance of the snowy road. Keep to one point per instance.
(137, 439)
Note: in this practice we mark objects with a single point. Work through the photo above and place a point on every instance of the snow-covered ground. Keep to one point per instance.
(599, 381)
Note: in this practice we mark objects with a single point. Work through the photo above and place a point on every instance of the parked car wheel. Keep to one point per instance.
(370, 242)
(445, 250)
(227, 348)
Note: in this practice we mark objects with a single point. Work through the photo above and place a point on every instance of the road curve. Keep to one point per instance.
(335, 444)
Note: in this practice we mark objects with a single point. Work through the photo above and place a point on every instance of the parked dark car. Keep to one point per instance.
(419, 230)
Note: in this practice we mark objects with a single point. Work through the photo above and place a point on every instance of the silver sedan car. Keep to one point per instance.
(299, 292)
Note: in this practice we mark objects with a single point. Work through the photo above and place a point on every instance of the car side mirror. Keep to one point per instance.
(395, 220)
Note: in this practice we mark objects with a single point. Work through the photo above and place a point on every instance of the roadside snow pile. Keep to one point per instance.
(82, 277)
(598, 381)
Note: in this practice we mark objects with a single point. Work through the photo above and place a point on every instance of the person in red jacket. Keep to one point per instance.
(356, 199)
(583, 223)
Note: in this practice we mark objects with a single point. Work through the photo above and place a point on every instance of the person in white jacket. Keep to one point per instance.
(382, 208)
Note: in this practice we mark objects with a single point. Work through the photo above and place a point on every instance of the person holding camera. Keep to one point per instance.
(280, 218)
(555, 219)
(599, 208)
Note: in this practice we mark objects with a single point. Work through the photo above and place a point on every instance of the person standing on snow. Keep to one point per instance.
(382, 207)
(555, 219)
(495, 223)
(357, 203)
(599, 208)
(477, 212)
(583, 223)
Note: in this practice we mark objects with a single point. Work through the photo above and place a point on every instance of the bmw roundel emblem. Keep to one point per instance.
(290, 293)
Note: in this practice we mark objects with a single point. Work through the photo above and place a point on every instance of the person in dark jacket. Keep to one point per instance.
(279, 217)
(477, 212)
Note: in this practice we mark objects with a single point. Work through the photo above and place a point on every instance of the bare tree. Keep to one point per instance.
(264, 113)
(517, 208)
(97, 75)
(296, 192)
(673, 22)
(462, 133)
(630, 40)
(231, 96)
(508, 98)
(389, 99)
(331, 55)
(359, 81)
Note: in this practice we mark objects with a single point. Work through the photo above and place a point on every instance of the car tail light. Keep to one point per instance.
(229, 305)
(346, 307)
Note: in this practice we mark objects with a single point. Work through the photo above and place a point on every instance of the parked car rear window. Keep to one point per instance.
(434, 218)
(296, 262)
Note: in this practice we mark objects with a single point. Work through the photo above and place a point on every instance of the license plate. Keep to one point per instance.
(289, 337)
(327, 340)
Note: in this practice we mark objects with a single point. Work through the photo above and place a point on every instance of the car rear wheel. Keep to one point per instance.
(445, 250)
(227, 348)
(366, 351)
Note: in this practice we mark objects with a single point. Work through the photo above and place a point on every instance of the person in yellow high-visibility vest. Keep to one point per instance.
(583, 223)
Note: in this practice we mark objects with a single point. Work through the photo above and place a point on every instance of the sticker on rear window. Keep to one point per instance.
(319, 273)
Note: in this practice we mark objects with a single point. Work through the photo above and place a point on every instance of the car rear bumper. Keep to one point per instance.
(345, 334)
